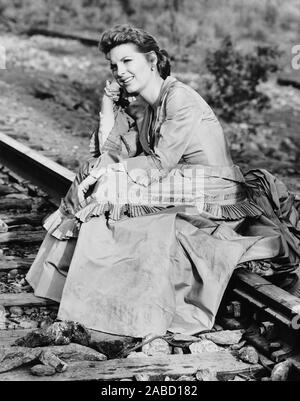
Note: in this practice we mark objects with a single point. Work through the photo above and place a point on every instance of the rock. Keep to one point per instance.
(46, 322)
(12, 273)
(13, 326)
(157, 347)
(3, 314)
(206, 375)
(42, 370)
(281, 371)
(112, 346)
(248, 354)
(80, 335)
(142, 377)
(30, 311)
(58, 333)
(3, 227)
(28, 324)
(49, 359)
(12, 357)
(186, 378)
(225, 337)
(137, 355)
(204, 346)
(177, 351)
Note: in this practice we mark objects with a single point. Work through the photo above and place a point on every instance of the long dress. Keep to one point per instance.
(155, 243)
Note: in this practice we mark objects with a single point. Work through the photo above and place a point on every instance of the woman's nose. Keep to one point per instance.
(121, 70)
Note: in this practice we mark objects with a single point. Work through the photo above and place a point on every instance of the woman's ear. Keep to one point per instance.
(152, 58)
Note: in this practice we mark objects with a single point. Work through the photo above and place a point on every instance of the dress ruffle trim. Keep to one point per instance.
(237, 211)
(116, 212)
(61, 226)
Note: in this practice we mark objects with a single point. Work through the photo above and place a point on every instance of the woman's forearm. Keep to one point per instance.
(107, 119)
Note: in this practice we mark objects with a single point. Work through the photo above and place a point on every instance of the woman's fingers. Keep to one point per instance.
(113, 89)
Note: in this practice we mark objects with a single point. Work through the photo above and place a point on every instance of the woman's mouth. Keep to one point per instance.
(126, 81)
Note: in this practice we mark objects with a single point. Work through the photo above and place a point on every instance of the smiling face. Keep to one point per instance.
(131, 69)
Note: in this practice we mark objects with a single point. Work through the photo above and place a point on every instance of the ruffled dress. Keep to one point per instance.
(158, 237)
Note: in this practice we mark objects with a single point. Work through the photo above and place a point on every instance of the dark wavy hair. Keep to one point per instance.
(145, 43)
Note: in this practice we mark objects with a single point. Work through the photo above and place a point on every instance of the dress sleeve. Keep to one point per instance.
(122, 138)
(181, 121)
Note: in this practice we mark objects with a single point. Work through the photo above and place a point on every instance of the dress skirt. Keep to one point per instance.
(164, 270)
(143, 275)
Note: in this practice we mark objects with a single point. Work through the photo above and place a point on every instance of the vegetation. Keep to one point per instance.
(232, 44)
(235, 77)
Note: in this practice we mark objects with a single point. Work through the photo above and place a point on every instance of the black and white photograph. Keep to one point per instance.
(149, 193)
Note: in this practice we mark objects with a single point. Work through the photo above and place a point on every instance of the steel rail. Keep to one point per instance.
(41, 171)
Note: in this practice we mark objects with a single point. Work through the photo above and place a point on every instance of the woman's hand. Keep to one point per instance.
(84, 186)
(112, 90)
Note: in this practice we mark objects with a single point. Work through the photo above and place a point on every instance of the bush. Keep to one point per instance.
(233, 84)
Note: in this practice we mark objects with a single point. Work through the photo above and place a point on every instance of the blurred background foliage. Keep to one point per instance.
(232, 44)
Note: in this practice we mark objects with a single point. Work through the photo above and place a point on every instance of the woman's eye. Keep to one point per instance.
(126, 61)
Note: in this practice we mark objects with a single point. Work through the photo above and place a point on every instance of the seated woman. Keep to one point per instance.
(162, 215)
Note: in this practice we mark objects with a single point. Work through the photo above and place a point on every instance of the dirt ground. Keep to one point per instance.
(50, 99)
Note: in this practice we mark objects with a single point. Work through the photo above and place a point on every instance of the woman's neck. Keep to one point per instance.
(152, 91)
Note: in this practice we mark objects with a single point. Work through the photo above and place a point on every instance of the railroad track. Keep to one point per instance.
(31, 186)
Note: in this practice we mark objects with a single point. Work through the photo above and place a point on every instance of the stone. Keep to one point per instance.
(177, 351)
(156, 347)
(142, 377)
(225, 337)
(206, 375)
(281, 371)
(57, 333)
(185, 378)
(248, 354)
(80, 335)
(12, 273)
(28, 324)
(49, 359)
(42, 370)
(3, 227)
(16, 310)
(113, 346)
(204, 346)
(30, 311)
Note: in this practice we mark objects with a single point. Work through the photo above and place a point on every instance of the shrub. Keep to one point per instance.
(233, 85)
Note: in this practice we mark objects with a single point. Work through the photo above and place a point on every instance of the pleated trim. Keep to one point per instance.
(237, 211)
(62, 227)
(116, 212)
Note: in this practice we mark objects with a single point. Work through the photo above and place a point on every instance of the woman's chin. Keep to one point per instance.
(132, 91)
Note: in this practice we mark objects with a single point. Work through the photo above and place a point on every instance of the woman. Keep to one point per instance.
(164, 214)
